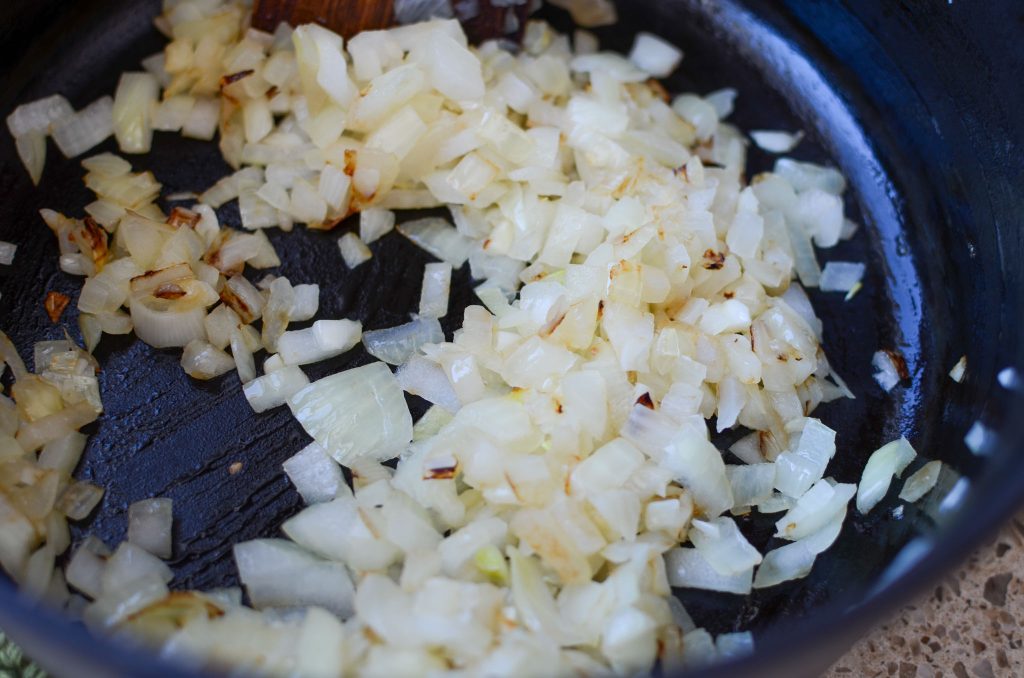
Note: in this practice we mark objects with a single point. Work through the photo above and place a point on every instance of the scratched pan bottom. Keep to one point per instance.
(164, 434)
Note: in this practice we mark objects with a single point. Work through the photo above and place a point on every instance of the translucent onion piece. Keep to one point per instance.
(325, 339)
(85, 129)
(654, 55)
(775, 141)
(276, 573)
(204, 361)
(437, 237)
(396, 345)
(959, 370)
(31, 149)
(165, 329)
(85, 569)
(134, 101)
(374, 223)
(38, 116)
(427, 379)
(686, 568)
(921, 482)
(884, 463)
(274, 389)
(721, 544)
(316, 476)
(437, 281)
(818, 506)
(356, 413)
(840, 276)
(794, 561)
(149, 526)
(353, 250)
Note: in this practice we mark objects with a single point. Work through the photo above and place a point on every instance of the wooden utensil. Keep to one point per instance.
(348, 17)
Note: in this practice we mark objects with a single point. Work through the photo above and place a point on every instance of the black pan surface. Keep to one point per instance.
(893, 93)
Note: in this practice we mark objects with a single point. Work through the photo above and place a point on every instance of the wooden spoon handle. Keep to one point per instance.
(345, 17)
(348, 17)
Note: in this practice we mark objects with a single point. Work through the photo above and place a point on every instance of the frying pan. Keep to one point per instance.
(918, 102)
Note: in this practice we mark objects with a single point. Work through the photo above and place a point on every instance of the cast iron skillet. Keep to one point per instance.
(917, 102)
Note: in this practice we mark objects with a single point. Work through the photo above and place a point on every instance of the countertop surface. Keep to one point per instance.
(970, 625)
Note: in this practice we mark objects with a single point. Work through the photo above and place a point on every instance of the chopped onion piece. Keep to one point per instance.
(31, 149)
(355, 414)
(427, 379)
(921, 482)
(891, 369)
(201, 360)
(687, 568)
(796, 471)
(86, 129)
(149, 526)
(38, 116)
(654, 55)
(306, 303)
(353, 250)
(396, 345)
(959, 370)
(85, 570)
(316, 476)
(723, 546)
(325, 339)
(775, 141)
(840, 276)
(201, 122)
(439, 238)
(437, 282)
(884, 463)
(274, 389)
(794, 561)
(814, 509)
(276, 573)
(374, 223)
(134, 101)
(7, 251)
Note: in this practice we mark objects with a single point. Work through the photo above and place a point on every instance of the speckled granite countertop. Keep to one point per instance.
(970, 625)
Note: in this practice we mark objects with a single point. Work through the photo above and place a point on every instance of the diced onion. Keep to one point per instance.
(396, 345)
(959, 370)
(7, 251)
(374, 223)
(884, 463)
(38, 116)
(132, 111)
(274, 389)
(316, 476)
(201, 360)
(356, 413)
(437, 281)
(325, 339)
(921, 482)
(85, 129)
(889, 371)
(437, 237)
(353, 250)
(149, 526)
(840, 276)
(775, 141)
(276, 573)
(654, 55)
(687, 568)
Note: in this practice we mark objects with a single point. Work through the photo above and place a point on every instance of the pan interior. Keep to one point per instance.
(166, 435)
